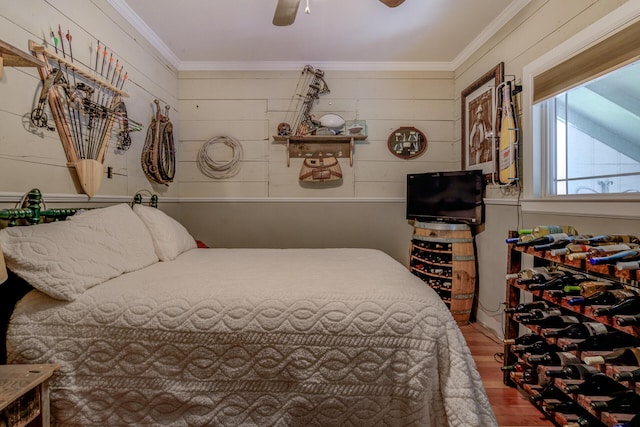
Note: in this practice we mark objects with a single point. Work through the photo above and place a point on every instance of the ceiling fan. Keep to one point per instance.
(286, 10)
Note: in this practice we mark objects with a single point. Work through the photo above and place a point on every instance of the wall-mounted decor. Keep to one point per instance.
(220, 169)
(320, 169)
(159, 154)
(299, 121)
(407, 142)
(355, 128)
(85, 103)
(10, 56)
(479, 119)
(319, 142)
(508, 134)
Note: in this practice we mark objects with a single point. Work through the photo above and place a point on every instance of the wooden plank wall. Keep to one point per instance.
(33, 157)
(249, 105)
(538, 28)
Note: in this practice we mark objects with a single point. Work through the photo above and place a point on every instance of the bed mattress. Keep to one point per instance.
(267, 337)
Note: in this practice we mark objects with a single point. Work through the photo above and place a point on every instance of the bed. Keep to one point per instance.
(150, 329)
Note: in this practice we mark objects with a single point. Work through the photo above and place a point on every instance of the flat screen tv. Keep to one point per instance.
(454, 197)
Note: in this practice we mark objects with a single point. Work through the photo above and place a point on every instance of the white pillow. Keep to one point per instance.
(170, 238)
(64, 259)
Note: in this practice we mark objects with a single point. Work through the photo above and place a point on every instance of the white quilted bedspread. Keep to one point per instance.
(267, 337)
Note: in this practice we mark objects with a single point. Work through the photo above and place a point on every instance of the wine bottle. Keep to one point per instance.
(629, 356)
(542, 230)
(525, 339)
(540, 276)
(528, 376)
(591, 287)
(628, 265)
(628, 376)
(626, 402)
(635, 422)
(571, 248)
(528, 306)
(537, 313)
(630, 305)
(627, 320)
(550, 392)
(543, 240)
(603, 342)
(628, 255)
(553, 321)
(577, 331)
(607, 297)
(599, 251)
(599, 384)
(609, 238)
(566, 407)
(559, 281)
(528, 234)
(558, 244)
(555, 358)
(567, 290)
(575, 371)
(523, 234)
(528, 273)
(539, 347)
(512, 240)
(584, 421)
(516, 367)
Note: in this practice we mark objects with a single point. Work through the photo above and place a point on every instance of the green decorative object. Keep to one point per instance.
(33, 212)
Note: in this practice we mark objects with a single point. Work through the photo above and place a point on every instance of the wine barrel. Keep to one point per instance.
(457, 239)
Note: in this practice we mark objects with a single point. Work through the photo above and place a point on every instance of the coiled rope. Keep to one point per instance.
(217, 169)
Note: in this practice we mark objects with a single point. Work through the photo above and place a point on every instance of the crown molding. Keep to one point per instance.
(507, 14)
(327, 65)
(123, 8)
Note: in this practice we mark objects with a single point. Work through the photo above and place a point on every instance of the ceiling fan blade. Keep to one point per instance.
(286, 11)
(392, 3)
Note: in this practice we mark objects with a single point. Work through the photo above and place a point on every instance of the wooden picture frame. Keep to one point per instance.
(479, 121)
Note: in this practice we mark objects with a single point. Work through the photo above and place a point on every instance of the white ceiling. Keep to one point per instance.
(349, 34)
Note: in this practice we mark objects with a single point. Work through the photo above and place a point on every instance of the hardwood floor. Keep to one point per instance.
(512, 409)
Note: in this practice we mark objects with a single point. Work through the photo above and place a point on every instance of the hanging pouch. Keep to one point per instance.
(320, 169)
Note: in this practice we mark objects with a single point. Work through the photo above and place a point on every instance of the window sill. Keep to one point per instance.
(615, 206)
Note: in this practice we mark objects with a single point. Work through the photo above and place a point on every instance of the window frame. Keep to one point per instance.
(536, 197)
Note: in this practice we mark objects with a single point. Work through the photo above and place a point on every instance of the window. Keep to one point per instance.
(592, 135)
(581, 115)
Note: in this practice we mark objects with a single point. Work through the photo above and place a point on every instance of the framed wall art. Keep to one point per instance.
(407, 142)
(479, 123)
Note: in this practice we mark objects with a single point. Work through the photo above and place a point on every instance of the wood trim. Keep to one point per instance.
(614, 52)
(75, 67)
(11, 56)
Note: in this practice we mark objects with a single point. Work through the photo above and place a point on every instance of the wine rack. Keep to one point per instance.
(514, 292)
(443, 256)
(431, 262)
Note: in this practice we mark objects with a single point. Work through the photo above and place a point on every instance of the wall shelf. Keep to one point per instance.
(11, 56)
(320, 146)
